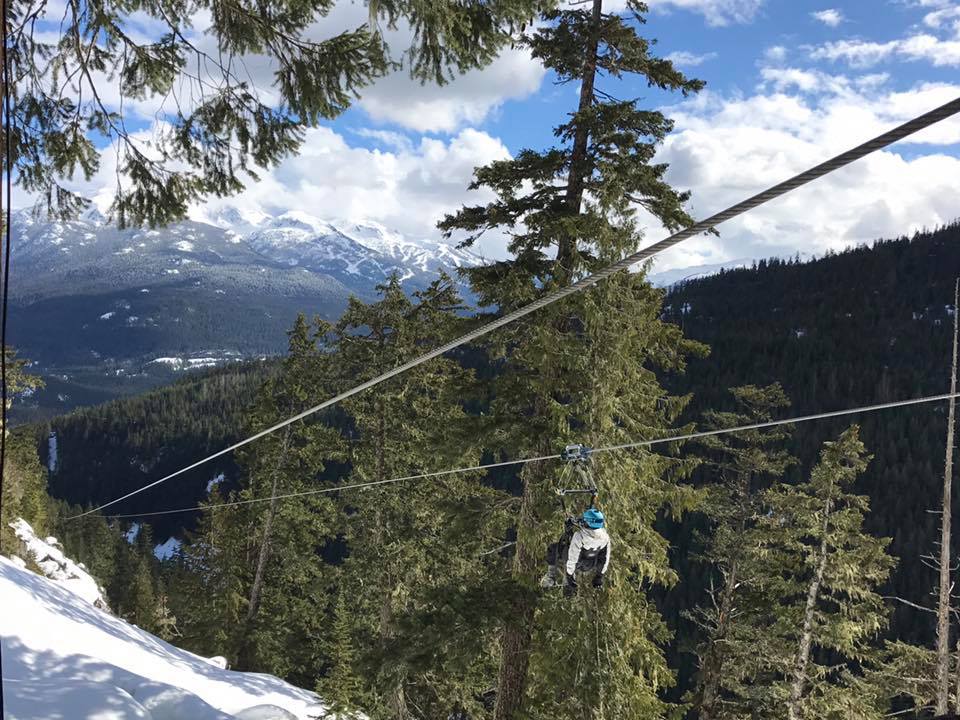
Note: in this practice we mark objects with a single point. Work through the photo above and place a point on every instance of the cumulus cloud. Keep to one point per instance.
(405, 185)
(831, 17)
(728, 148)
(863, 53)
(682, 58)
(775, 54)
(467, 100)
(715, 12)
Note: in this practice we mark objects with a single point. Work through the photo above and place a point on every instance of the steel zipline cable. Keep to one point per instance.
(543, 458)
(825, 168)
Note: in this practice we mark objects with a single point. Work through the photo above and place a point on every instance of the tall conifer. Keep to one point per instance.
(824, 570)
(583, 370)
(742, 464)
(399, 544)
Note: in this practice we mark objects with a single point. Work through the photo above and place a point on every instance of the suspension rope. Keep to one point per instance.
(558, 456)
(908, 128)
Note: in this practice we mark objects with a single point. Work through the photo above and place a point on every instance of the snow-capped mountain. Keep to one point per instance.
(359, 254)
(363, 250)
(88, 294)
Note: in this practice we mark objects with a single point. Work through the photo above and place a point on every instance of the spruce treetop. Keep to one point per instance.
(578, 198)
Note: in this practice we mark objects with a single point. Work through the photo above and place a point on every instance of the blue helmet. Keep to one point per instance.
(593, 518)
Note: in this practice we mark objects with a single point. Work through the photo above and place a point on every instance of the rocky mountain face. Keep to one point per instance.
(103, 311)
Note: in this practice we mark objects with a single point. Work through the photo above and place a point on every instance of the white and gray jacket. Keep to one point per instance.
(590, 540)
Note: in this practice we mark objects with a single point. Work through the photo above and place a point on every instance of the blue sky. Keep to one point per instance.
(727, 54)
(789, 82)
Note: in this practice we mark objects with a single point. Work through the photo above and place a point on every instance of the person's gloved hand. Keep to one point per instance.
(570, 586)
(598, 581)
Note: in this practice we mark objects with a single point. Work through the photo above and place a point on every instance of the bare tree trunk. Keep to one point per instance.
(943, 604)
(256, 590)
(263, 555)
(956, 684)
(806, 637)
(517, 637)
(576, 179)
(396, 699)
(713, 666)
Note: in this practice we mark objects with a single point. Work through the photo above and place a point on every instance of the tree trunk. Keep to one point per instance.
(956, 683)
(517, 637)
(942, 705)
(713, 667)
(515, 659)
(577, 174)
(396, 700)
(263, 555)
(806, 637)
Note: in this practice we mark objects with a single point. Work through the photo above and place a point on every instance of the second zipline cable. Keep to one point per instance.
(558, 456)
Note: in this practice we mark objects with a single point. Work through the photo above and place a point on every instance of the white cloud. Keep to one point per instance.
(830, 18)
(409, 187)
(775, 54)
(682, 58)
(467, 100)
(938, 18)
(716, 12)
(862, 53)
(728, 148)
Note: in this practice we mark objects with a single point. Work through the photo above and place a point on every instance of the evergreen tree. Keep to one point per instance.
(824, 571)
(283, 537)
(142, 603)
(742, 463)
(583, 370)
(220, 128)
(206, 581)
(164, 622)
(401, 547)
(342, 689)
(90, 540)
(24, 479)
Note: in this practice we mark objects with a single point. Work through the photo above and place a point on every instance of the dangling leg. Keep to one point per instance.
(551, 577)
(556, 558)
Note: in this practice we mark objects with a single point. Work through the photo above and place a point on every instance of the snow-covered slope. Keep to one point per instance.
(47, 554)
(65, 659)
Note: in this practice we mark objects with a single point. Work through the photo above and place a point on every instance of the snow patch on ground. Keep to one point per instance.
(217, 479)
(176, 363)
(53, 458)
(166, 550)
(48, 556)
(64, 658)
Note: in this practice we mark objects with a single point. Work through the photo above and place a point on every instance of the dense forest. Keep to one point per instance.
(760, 574)
(94, 454)
(829, 344)
(865, 326)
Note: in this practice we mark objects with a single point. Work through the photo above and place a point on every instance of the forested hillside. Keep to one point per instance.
(865, 326)
(94, 454)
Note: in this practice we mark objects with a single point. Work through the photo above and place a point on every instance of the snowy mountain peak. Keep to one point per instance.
(93, 216)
